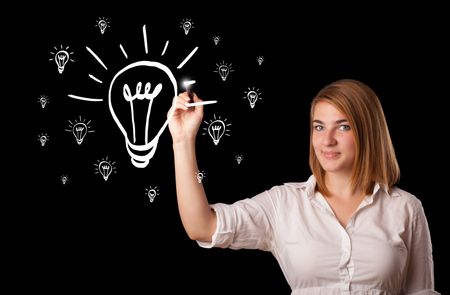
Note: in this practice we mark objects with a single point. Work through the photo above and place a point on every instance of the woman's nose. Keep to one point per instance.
(329, 138)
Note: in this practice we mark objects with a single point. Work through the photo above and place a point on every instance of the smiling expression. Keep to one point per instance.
(333, 139)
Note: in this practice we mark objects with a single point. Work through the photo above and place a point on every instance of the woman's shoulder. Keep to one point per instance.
(404, 199)
(292, 189)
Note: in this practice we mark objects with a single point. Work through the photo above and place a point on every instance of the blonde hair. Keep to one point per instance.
(375, 160)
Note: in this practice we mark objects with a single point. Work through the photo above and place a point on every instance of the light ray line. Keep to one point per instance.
(144, 32)
(95, 79)
(123, 51)
(96, 57)
(187, 58)
(165, 48)
(84, 98)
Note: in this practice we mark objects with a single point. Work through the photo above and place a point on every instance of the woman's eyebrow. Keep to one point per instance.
(337, 122)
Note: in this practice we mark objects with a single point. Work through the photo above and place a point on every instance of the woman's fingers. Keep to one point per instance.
(179, 103)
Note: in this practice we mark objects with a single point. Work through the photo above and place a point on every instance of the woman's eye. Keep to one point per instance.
(318, 127)
(344, 127)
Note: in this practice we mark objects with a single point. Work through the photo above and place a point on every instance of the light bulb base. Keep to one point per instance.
(141, 154)
(139, 164)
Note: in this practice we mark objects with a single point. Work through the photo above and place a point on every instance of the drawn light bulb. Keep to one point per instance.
(102, 24)
(151, 193)
(239, 159)
(252, 95)
(260, 59)
(224, 70)
(131, 111)
(216, 129)
(64, 179)
(200, 175)
(43, 100)
(61, 58)
(187, 24)
(186, 27)
(105, 168)
(216, 40)
(79, 129)
(43, 138)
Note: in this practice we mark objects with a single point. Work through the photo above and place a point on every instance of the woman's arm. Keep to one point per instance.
(420, 273)
(198, 219)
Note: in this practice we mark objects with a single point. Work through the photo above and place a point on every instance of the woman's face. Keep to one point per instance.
(333, 139)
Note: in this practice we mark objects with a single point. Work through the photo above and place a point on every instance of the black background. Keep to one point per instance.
(92, 235)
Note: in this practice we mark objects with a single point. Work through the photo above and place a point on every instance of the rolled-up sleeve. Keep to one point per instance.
(246, 224)
(420, 274)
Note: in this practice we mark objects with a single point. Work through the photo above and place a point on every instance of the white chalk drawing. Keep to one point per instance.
(216, 40)
(165, 48)
(102, 23)
(187, 25)
(105, 167)
(64, 179)
(79, 129)
(187, 58)
(43, 100)
(61, 57)
(260, 59)
(239, 159)
(252, 95)
(200, 175)
(216, 129)
(43, 138)
(152, 193)
(224, 70)
(144, 34)
(140, 148)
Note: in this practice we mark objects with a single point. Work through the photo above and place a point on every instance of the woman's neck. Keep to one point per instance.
(340, 185)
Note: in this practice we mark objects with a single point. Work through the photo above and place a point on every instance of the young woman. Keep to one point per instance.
(347, 229)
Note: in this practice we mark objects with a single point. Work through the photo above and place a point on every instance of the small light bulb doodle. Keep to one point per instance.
(260, 59)
(239, 159)
(252, 95)
(105, 168)
(187, 25)
(224, 70)
(102, 23)
(43, 100)
(79, 129)
(151, 193)
(64, 179)
(216, 129)
(200, 175)
(43, 138)
(61, 57)
(216, 40)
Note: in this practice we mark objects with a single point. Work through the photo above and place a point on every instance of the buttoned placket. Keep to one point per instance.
(346, 265)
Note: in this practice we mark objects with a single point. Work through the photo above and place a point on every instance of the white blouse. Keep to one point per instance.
(385, 248)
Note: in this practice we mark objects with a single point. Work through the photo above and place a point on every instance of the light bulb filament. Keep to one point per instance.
(141, 96)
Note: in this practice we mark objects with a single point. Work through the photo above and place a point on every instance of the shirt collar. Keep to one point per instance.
(309, 187)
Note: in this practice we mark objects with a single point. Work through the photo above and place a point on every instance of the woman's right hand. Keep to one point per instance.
(185, 122)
